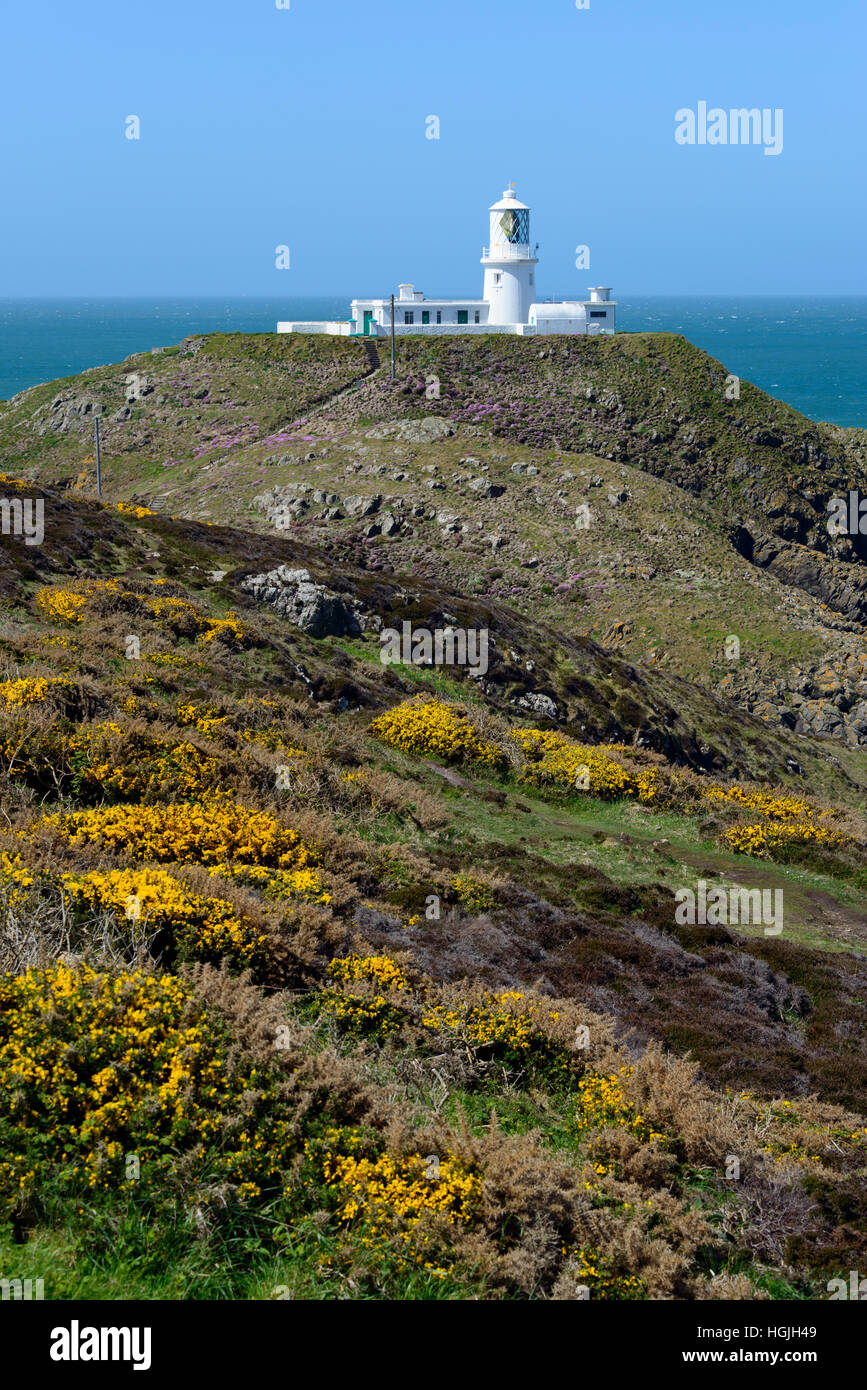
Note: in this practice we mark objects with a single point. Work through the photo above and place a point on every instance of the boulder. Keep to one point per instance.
(485, 488)
(539, 704)
(361, 506)
(309, 606)
(425, 431)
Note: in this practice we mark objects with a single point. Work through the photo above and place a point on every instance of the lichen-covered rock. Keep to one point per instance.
(309, 606)
(425, 431)
(485, 488)
(539, 704)
(361, 506)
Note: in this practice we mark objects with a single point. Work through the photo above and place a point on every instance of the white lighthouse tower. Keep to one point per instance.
(510, 302)
(510, 266)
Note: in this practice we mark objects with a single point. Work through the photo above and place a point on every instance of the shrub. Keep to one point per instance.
(437, 730)
(381, 969)
(409, 1190)
(94, 1067)
(207, 929)
(33, 690)
(206, 832)
(764, 839)
(472, 893)
(553, 759)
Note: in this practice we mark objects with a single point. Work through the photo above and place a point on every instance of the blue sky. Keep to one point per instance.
(306, 127)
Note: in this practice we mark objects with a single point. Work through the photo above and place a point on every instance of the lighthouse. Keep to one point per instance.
(510, 266)
(509, 304)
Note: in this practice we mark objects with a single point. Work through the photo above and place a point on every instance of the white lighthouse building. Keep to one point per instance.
(510, 265)
(509, 303)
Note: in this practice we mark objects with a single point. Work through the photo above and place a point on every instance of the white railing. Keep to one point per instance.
(508, 251)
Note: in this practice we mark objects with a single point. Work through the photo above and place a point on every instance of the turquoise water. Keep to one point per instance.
(810, 352)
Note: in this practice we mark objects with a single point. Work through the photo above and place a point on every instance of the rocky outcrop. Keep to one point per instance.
(840, 585)
(827, 698)
(425, 431)
(307, 605)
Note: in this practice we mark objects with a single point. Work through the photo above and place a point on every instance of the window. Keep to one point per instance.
(477, 316)
(439, 315)
(425, 315)
(532, 278)
(408, 316)
(598, 313)
(515, 226)
(497, 278)
(463, 315)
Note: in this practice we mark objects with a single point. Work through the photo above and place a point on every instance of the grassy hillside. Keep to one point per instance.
(325, 978)
(701, 517)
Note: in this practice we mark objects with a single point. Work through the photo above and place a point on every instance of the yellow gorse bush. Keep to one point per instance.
(208, 928)
(436, 730)
(61, 605)
(173, 610)
(472, 893)
(67, 605)
(16, 880)
(508, 1026)
(782, 806)
(380, 1190)
(790, 820)
(764, 838)
(211, 831)
(602, 1102)
(132, 509)
(94, 1066)
(106, 759)
(204, 717)
(33, 690)
(278, 884)
(359, 1015)
(381, 969)
(554, 759)
(228, 629)
(173, 659)
(484, 1025)
(131, 767)
(592, 1269)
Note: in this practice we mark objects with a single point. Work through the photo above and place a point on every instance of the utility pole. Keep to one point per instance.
(392, 337)
(96, 455)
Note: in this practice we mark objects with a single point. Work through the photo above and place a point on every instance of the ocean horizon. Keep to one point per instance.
(810, 352)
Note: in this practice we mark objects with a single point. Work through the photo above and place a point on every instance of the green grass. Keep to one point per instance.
(562, 832)
(117, 1255)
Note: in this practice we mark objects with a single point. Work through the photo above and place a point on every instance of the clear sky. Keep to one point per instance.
(306, 127)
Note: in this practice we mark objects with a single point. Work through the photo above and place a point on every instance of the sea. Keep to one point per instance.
(809, 352)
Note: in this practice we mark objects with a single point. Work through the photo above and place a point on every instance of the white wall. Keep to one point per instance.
(335, 328)
(448, 309)
(510, 297)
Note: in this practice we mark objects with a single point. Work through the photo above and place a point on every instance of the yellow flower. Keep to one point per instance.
(433, 728)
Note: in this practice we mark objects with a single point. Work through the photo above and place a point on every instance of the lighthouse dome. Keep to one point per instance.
(510, 221)
(508, 201)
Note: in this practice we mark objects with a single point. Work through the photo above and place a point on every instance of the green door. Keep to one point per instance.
(463, 315)
(368, 315)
